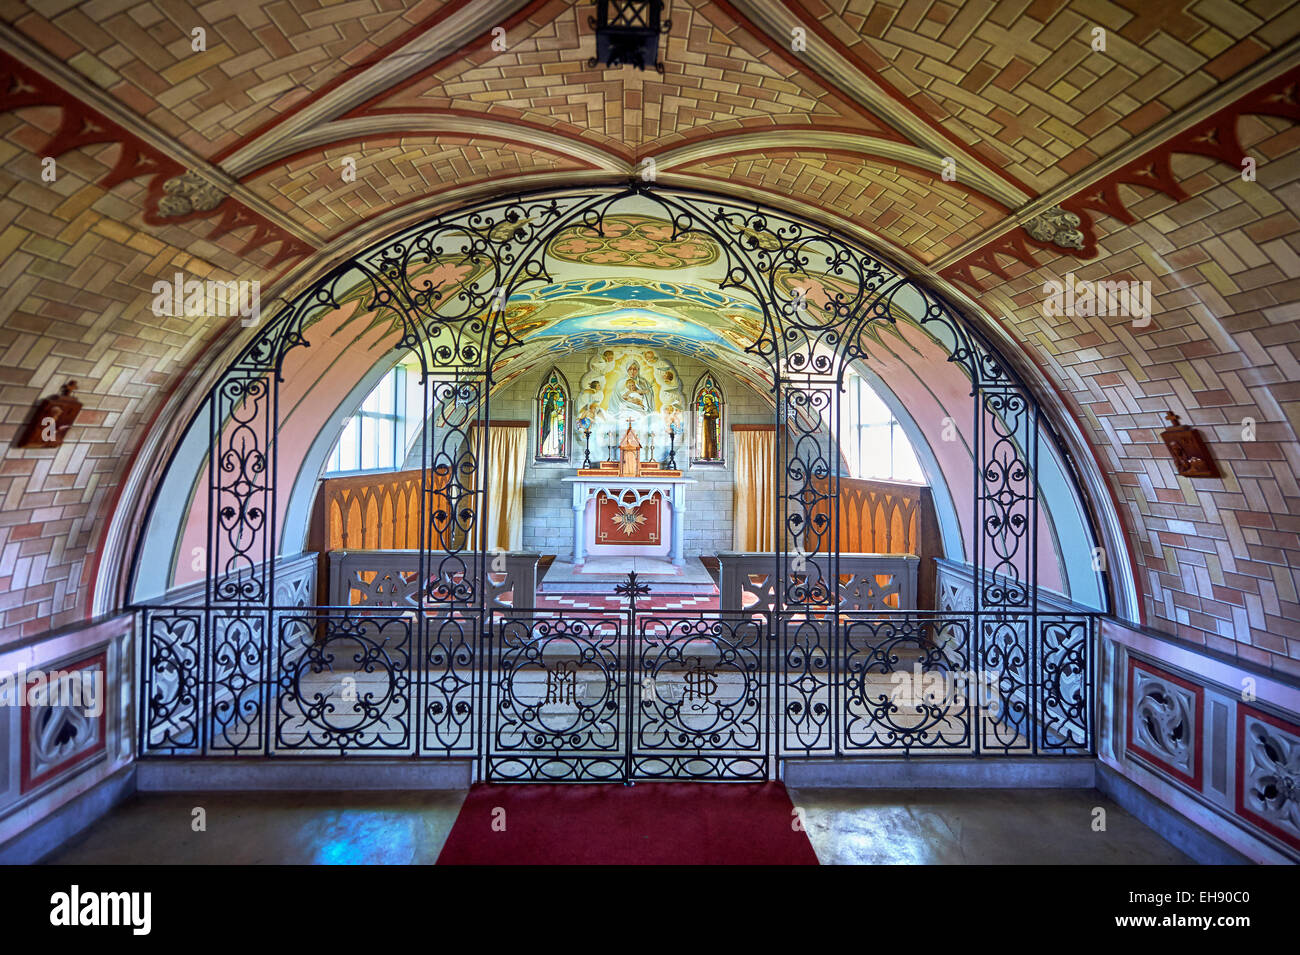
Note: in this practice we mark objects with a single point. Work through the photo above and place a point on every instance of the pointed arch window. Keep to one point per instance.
(707, 409)
(553, 418)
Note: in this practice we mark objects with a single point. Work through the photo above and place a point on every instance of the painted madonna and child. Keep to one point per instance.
(634, 386)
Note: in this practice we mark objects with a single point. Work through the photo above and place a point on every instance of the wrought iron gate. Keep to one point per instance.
(608, 697)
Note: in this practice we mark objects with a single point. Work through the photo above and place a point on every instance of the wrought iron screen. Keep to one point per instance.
(446, 671)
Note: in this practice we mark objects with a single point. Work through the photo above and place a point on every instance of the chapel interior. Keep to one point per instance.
(885, 410)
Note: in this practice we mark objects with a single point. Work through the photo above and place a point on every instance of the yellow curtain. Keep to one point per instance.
(755, 521)
(507, 457)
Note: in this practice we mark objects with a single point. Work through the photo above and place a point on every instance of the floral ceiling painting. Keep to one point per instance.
(638, 241)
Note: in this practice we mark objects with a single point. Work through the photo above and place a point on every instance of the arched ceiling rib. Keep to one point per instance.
(883, 91)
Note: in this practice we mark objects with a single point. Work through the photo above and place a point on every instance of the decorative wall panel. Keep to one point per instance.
(1164, 721)
(69, 725)
(1268, 773)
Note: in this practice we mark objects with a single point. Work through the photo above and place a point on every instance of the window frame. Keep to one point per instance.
(894, 431)
(394, 422)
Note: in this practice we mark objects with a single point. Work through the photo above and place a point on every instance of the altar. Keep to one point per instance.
(631, 495)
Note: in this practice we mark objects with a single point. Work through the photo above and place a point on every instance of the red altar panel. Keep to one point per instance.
(617, 523)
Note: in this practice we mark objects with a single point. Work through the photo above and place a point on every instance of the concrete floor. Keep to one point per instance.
(988, 827)
(874, 827)
(278, 828)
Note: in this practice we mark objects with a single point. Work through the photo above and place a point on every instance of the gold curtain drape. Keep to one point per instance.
(507, 457)
(755, 519)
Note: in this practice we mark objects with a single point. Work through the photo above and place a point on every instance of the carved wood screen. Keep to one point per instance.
(369, 512)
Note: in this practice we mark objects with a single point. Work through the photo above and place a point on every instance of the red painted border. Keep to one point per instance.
(1214, 137)
(81, 126)
(1195, 779)
(30, 782)
(1240, 801)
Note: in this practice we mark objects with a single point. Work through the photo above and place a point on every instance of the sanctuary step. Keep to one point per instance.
(599, 575)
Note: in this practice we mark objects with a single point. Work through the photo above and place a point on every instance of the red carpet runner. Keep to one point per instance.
(645, 824)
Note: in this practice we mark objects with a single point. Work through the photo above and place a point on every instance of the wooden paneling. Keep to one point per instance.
(885, 517)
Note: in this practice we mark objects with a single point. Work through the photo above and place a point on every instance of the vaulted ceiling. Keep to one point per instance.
(930, 129)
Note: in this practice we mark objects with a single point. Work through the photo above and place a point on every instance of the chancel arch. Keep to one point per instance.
(622, 381)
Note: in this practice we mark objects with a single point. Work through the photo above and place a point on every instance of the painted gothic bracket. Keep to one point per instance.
(1069, 227)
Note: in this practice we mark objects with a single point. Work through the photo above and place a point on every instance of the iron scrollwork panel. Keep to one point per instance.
(343, 683)
(908, 684)
(241, 486)
(700, 698)
(809, 475)
(807, 687)
(1065, 683)
(556, 696)
(813, 286)
(237, 668)
(449, 667)
(455, 491)
(171, 704)
(1007, 501)
(1005, 656)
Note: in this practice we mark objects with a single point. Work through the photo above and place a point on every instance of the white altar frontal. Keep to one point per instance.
(631, 492)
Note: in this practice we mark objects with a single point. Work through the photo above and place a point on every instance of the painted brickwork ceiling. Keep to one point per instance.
(986, 146)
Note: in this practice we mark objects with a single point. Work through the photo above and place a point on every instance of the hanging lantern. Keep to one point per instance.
(627, 33)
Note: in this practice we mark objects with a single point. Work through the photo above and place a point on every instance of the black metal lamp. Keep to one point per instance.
(627, 33)
(586, 431)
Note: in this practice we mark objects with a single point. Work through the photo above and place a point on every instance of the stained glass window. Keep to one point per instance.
(552, 418)
(708, 420)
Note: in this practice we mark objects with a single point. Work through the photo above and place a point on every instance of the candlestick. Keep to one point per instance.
(586, 455)
(672, 448)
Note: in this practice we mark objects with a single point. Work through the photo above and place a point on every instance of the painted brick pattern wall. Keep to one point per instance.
(1021, 82)
(1219, 559)
(76, 268)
